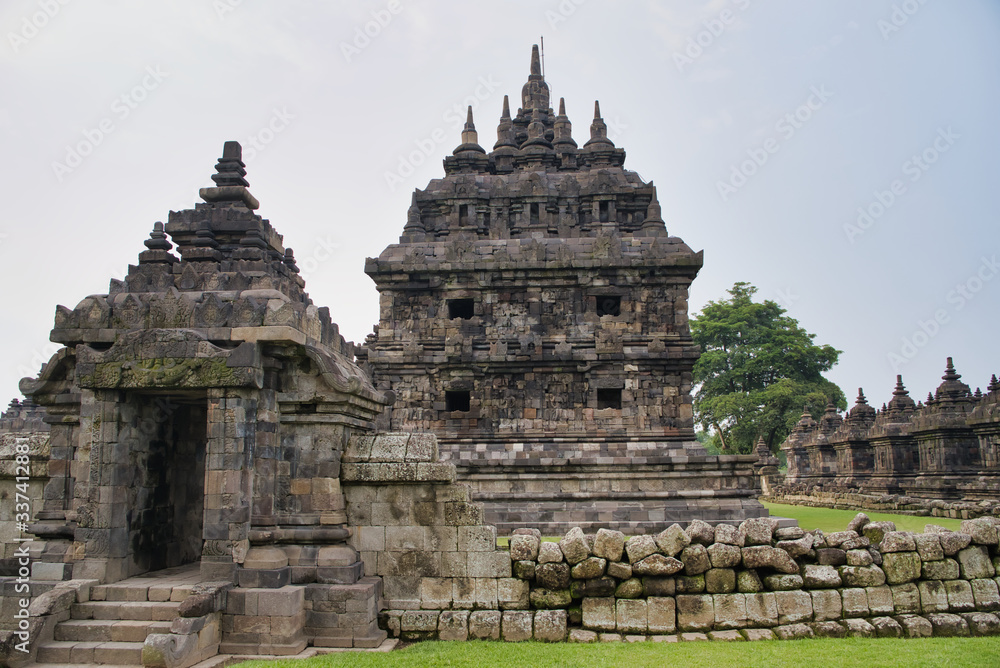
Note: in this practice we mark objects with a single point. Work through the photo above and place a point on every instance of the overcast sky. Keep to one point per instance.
(769, 128)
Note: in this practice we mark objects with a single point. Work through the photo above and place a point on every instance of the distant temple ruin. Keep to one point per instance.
(946, 448)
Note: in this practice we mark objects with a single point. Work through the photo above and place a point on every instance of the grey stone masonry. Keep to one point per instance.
(935, 455)
(534, 316)
(893, 599)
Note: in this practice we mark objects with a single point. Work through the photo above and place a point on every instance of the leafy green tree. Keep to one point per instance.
(757, 369)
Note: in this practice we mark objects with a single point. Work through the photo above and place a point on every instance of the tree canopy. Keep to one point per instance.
(757, 369)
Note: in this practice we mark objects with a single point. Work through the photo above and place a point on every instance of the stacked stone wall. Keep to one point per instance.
(751, 582)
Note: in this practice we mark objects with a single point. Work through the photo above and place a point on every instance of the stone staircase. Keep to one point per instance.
(111, 627)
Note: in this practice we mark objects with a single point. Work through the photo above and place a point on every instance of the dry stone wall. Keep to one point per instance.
(748, 582)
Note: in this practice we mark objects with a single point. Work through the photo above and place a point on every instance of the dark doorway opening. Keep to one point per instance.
(166, 519)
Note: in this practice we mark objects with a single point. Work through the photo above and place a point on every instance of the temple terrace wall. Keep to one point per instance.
(730, 583)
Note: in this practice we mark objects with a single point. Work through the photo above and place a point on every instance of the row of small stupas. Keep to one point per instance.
(946, 447)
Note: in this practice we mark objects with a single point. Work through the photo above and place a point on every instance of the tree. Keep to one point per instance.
(757, 369)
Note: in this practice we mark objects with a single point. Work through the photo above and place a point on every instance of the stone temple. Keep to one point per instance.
(213, 468)
(534, 316)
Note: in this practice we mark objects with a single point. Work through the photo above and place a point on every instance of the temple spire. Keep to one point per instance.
(470, 138)
(653, 225)
(535, 92)
(230, 184)
(536, 61)
(598, 130)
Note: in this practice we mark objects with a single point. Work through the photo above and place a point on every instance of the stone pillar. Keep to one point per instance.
(232, 430)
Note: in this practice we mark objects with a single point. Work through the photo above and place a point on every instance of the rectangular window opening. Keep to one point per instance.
(605, 211)
(534, 213)
(458, 400)
(461, 308)
(608, 305)
(609, 398)
(463, 215)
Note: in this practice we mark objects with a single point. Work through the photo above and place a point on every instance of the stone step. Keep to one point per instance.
(127, 591)
(82, 652)
(157, 611)
(108, 630)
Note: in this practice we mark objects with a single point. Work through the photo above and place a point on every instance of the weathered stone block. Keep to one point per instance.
(550, 625)
(831, 556)
(723, 555)
(828, 629)
(758, 634)
(524, 570)
(695, 558)
(524, 548)
(728, 534)
(489, 565)
(639, 547)
(419, 620)
(886, 627)
(629, 589)
(484, 625)
(689, 584)
(959, 596)
(952, 542)
(944, 569)
(793, 606)
(900, 567)
(855, 602)
(986, 595)
(783, 582)
(547, 599)
(549, 552)
(982, 530)
(656, 565)
(619, 570)
(820, 577)
(599, 614)
(453, 625)
(730, 611)
(880, 600)
(948, 625)
(862, 576)
(720, 581)
(826, 605)
(915, 626)
(516, 625)
(609, 544)
(974, 563)
(700, 532)
(598, 587)
(757, 531)
(762, 609)
(793, 631)
(928, 546)
(859, 558)
(661, 614)
(672, 540)
(796, 548)
(874, 531)
(512, 594)
(695, 613)
(897, 541)
(664, 586)
(859, 628)
(574, 546)
(591, 567)
(764, 556)
(582, 635)
(933, 596)
(631, 616)
(982, 623)
(748, 582)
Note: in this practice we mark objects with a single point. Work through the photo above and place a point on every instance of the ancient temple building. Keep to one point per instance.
(943, 449)
(534, 316)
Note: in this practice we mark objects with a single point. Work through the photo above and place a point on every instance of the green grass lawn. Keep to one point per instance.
(824, 653)
(830, 519)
